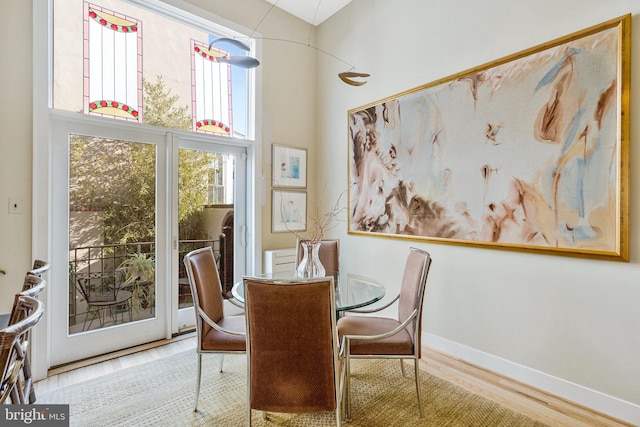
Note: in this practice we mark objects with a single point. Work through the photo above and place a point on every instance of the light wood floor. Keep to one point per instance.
(541, 406)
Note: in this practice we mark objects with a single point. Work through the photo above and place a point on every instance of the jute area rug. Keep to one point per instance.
(161, 393)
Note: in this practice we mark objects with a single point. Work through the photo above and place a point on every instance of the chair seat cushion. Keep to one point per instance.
(398, 344)
(214, 340)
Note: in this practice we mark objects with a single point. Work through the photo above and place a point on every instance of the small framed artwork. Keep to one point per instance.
(289, 211)
(289, 167)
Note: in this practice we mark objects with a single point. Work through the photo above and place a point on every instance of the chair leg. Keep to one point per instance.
(343, 395)
(347, 387)
(221, 361)
(339, 412)
(102, 316)
(198, 375)
(5, 396)
(27, 377)
(402, 367)
(16, 397)
(86, 317)
(417, 370)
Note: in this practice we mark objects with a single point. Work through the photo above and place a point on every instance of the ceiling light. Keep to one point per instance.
(243, 61)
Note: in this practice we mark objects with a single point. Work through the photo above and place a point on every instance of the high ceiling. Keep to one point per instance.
(306, 9)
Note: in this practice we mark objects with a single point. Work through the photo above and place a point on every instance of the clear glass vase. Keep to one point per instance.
(310, 265)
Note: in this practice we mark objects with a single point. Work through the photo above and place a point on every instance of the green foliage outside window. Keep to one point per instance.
(117, 179)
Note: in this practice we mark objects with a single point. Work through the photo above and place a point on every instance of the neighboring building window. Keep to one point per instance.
(220, 180)
(112, 64)
(211, 90)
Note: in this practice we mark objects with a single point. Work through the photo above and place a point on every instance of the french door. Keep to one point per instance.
(98, 225)
(222, 222)
(119, 230)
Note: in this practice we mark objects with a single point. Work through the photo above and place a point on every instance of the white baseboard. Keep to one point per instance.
(584, 396)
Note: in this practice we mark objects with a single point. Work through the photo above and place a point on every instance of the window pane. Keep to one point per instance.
(203, 222)
(112, 233)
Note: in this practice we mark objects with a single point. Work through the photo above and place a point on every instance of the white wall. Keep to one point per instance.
(15, 146)
(557, 321)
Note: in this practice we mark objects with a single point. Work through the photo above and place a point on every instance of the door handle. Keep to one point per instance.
(243, 235)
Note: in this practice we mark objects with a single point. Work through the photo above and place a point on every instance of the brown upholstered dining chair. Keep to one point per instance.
(217, 333)
(292, 347)
(329, 254)
(368, 337)
(27, 312)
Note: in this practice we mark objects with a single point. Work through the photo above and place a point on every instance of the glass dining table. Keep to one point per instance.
(352, 290)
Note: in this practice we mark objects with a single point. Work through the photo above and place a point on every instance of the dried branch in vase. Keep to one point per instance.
(318, 223)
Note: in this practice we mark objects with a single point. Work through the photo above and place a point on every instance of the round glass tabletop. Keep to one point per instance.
(352, 290)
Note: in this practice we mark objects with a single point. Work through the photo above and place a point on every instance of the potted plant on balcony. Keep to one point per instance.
(141, 268)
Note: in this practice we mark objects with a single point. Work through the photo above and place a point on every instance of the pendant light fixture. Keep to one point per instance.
(245, 61)
(241, 61)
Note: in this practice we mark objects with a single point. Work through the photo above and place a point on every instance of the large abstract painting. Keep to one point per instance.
(529, 152)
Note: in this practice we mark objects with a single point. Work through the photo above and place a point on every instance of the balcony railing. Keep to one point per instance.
(100, 262)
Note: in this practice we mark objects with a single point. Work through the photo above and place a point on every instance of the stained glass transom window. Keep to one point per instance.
(211, 90)
(105, 64)
(112, 64)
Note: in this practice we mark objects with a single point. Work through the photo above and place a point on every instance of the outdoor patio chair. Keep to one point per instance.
(105, 294)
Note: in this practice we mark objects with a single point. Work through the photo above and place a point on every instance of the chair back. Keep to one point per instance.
(292, 346)
(412, 292)
(206, 289)
(33, 285)
(39, 268)
(97, 288)
(26, 313)
(329, 254)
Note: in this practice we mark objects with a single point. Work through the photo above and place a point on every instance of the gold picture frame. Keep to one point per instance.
(528, 152)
